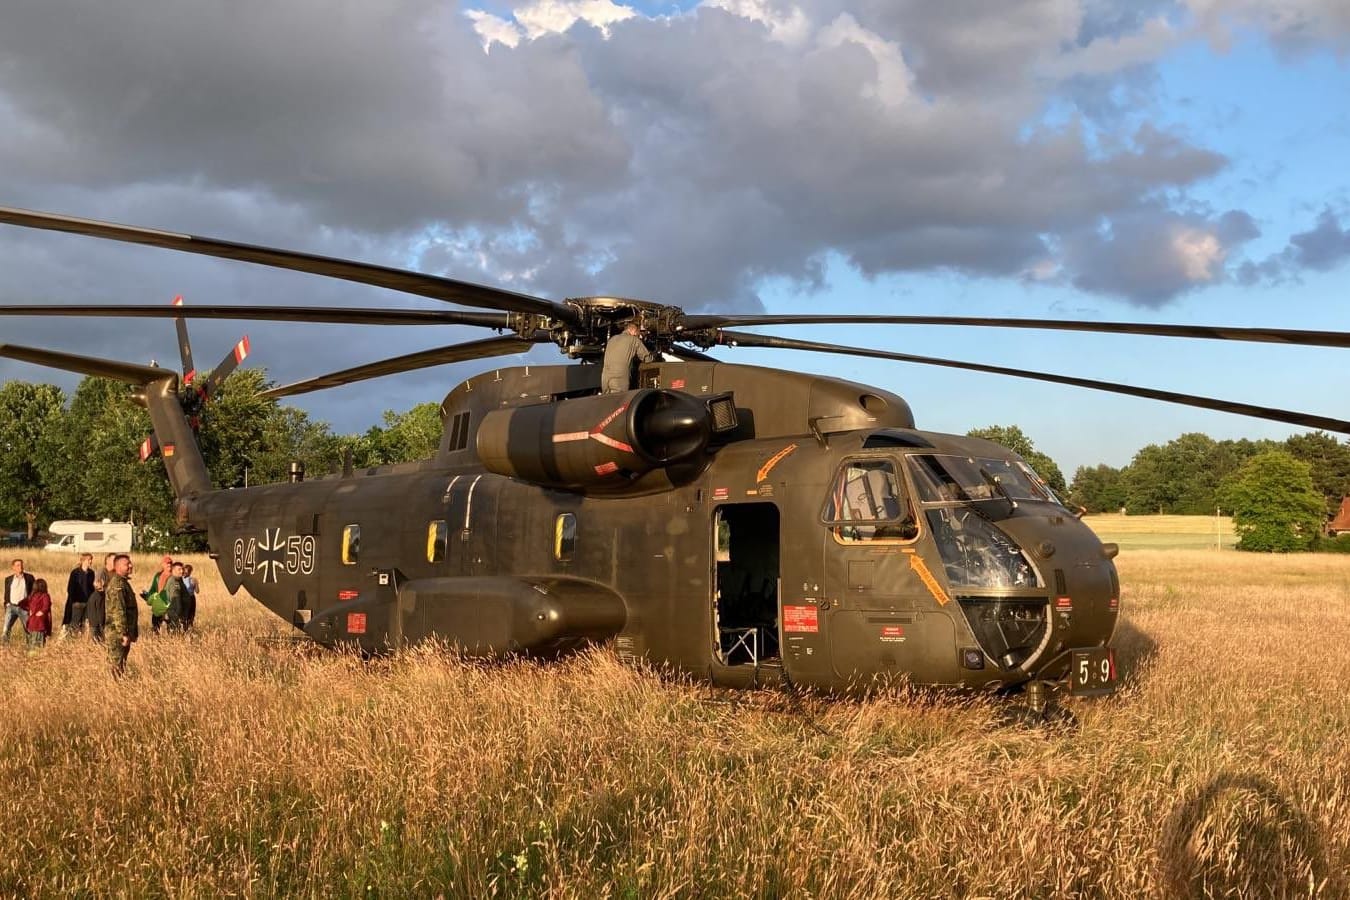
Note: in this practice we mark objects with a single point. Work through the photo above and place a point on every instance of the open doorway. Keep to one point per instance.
(745, 604)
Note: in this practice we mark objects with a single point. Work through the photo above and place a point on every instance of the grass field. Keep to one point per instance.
(226, 764)
(1164, 532)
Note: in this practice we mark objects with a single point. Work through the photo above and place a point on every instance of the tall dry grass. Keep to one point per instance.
(226, 764)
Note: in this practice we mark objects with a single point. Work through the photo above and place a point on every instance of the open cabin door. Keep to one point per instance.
(745, 596)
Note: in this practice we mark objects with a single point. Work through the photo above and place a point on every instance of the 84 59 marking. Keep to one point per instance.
(274, 554)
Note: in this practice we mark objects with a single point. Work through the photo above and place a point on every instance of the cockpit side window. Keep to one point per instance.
(949, 478)
(867, 502)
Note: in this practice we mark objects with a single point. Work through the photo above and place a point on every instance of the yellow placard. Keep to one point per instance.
(917, 565)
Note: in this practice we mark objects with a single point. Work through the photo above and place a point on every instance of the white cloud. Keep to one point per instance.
(893, 80)
(490, 28)
(556, 16)
(542, 17)
(1199, 254)
(787, 23)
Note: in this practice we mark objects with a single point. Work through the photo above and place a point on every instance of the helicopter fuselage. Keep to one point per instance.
(825, 542)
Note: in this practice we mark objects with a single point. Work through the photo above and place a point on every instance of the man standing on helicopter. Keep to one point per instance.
(616, 375)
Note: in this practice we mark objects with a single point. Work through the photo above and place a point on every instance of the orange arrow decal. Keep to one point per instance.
(778, 457)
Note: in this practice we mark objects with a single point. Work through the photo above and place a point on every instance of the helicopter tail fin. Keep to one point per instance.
(159, 393)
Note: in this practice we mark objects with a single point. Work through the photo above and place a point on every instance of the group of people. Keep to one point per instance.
(102, 601)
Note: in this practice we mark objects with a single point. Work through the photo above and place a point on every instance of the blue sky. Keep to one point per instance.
(1169, 160)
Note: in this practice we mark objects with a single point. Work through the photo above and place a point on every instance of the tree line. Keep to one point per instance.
(75, 458)
(1279, 493)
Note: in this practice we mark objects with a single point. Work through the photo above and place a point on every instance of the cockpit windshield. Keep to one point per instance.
(955, 479)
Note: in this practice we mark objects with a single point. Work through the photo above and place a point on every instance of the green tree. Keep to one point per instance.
(30, 451)
(1275, 506)
(405, 437)
(1183, 476)
(1016, 440)
(1330, 462)
(1098, 489)
(247, 437)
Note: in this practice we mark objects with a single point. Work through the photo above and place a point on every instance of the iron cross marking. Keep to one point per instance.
(270, 550)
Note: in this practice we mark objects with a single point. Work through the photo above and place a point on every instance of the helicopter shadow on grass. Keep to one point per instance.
(1238, 836)
(1135, 651)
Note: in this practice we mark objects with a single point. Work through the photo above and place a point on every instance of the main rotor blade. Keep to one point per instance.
(423, 285)
(497, 346)
(184, 345)
(317, 314)
(88, 365)
(1207, 332)
(1308, 420)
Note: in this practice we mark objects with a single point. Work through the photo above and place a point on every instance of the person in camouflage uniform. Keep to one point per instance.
(176, 591)
(123, 619)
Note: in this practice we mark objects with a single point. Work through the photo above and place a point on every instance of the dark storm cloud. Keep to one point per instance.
(682, 159)
(372, 116)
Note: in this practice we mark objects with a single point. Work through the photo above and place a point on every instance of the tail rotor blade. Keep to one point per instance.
(238, 353)
(184, 345)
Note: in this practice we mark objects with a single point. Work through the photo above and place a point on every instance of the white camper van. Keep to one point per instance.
(90, 537)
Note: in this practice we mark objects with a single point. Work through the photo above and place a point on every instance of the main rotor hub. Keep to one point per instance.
(599, 318)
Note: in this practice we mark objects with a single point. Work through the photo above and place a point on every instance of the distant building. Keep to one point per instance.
(1341, 523)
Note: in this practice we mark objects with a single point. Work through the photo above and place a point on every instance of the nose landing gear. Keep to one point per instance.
(1038, 707)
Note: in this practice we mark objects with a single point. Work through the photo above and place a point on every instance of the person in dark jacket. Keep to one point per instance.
(16, 589)
(78, 589)
(96, 613)
(39, 622)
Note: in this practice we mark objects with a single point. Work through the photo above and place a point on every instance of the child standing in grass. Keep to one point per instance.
(39, 615)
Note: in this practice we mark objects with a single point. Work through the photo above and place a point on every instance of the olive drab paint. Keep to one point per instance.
(724, 559)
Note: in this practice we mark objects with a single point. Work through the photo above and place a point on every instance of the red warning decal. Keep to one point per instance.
(1064, 604)
(801, 619)
(677, 384)
(1114, 604)
(348, 595)
(608, 468)
(720, 493)
(356, 623)
(893, 633)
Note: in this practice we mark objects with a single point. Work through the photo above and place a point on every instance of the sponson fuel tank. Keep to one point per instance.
(608, 439)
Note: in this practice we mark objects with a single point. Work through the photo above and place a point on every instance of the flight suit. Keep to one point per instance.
(616, 375)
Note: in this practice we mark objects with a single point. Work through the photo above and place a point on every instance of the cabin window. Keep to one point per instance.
(867, 502)
(93, 535)
(459, 432)
(351, 544)
(564, 536)
(437, 536)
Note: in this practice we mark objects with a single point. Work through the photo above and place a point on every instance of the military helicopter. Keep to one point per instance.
(745, 525)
